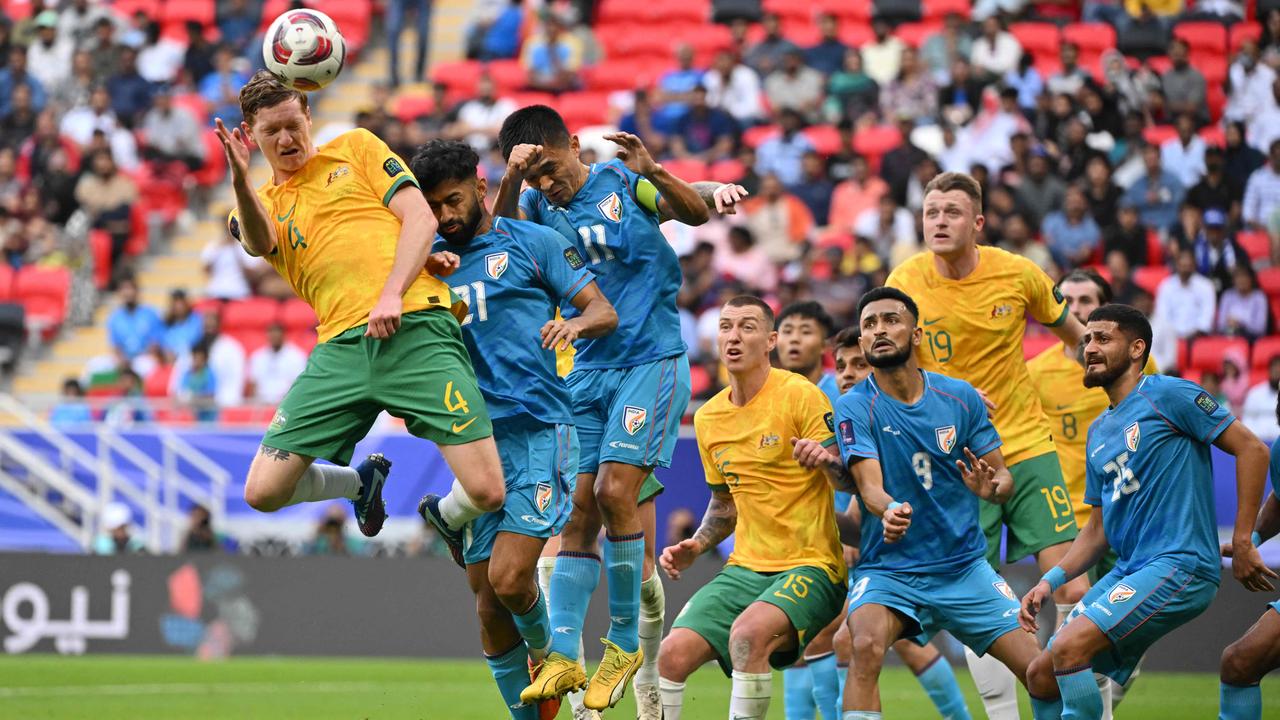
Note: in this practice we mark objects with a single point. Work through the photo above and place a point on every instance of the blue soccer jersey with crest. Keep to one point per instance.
(1148, 466)
(618, 239)
(917, 447)
(512, 279)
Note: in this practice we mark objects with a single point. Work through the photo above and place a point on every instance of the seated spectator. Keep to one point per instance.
(1123, 289)
(1186, 301)
(49, 55)
(1242, 309)
(850, 198)
(1127, 237)
(227, 266)
(1040, 191)
(331, 534)
(20, 122)
(553, 57)
(706, 133)
(130, 92)
(1250, 82)
(852, 95)
(107, 196)
(1100, 110)
(1184, 85)
(75, 90)
(1241, 158)
(480, 118)
(274, 366)
(1026, 80)
(1259, 413)
(827, 56)
(497, 37)
(1183, 156)
(940, 50)
(104, 50)
(766, 56)
(1017, 239)
(1074, 152)
(1070, 233)
(116, 522)
(198, 385)
(743, 261)
(221, 88)
(77, 20)
(238, 24)
(1217, 254)
(14, 74)
(200, 536)
(159, 58)
(172, 133)
(990, 135)
(781, 154)
(1103, 194)
(734, 88)
(960, 98)
(673, 92)
(1187, 229)
(996, 52)
(441, 115)
(1157, 194)
(644, 123)
(183, 327)
(911, 92)
(1262, 194)
(1216, 188)
(795, 86)
(779, 221)
(815, 188)
(896, 166)
(890, 229)
(131, 407)
(72, 409)
(197, 59)
(882, 57)
(132, 328)
(1071, 77)
(226, 359)
(1235, 379)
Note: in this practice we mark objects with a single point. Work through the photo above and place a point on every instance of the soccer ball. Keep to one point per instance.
(304, 49)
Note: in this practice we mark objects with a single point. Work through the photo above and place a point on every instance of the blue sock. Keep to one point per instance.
(511, 672)
(1081, 699)
(861, 715)
(572, 582)
(797, 694)
(535, 627)
(826, 685)
(1046, 709)
(842, 675)
(1239, 703)
(624, 563)
(939, 683)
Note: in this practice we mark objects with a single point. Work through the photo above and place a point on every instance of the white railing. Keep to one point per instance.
(78, 507)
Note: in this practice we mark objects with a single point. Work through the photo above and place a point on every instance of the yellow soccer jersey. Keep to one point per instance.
(336, 238)
(973, 331)
(786, 514)
(1071, 408)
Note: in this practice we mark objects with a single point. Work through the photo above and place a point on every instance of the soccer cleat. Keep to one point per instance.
(585, 713)
(610, 682)
(429, 509)
(547, 709)
(371, 511)
(556, 676)
(648, 702)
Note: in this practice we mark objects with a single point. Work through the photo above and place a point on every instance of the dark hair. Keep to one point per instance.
(443, 160)
(809, 310)
(533, 125)
(889, 293)
(264, 90)
(848, 337)
(1089, 275)
(1129, 320)
(752, 301)
(72, 386)
(948, 181)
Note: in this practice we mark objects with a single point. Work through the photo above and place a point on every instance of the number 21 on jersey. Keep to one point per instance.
(477, 310)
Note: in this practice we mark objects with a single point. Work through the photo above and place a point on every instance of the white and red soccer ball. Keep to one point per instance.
(304, 49)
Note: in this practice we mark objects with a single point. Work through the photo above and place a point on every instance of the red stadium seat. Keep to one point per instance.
(352, 18)
(243, 415)
(803, 34)
(690, 170)
(1037, 38)
(249, 338)
(825, 138)
(129, 8)
(706, 38)
(305, 340)
(1216, 99)
(1242, 31)
(1160, 64)
(43, 294)
(100, 249)
(915, 33)
(1256, 243)
(876, 140)
(215, 161)
(296, 315)
(1091, 38)
(1157, 134)
(624, 74)
(855, 34)
(1264, 349)
(699, 380)
(525, 99)
(157, 383)
(753, 136)
(1203, 35)
(1269, 281)
(938, 9)
(1149, 278)
(408, 106)
(1213, 135)
(507, 75)
(789, 9)
(1207, 352)
(255, 313)
(1182, 356)
(581, 109)
(727, 171)
(460, 76)
(859, 10)
(1212, 65)
(1035, 343)
(1155, 248)
(194, 104)
(6, 282)
(16, 9)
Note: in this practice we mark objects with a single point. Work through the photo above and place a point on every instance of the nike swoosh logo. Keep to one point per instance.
(1059, 527)
(930, 322)
(721, 452)
(459, 428)
(1063, 407)
(282, 218)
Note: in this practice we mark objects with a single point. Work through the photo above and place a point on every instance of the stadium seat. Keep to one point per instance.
(624, 74)
(1160, 64)
(1155, 248)
(854, 34)
(788, 9)
(129, 8)
(825, 138)
(175, 416)
(1037, 38)
(938, 9)
(803, 34)
(1149, 278)
(699, 380)
(1207, 352)
(857, 10)
(1203, 35)
(157, 383)
(1216, 99)
(1264, 349)
(459, 76)
(727, 171)
(581, 109)
(915, 33)
(1091, 38)
(255, 313)
(1242, 31)
(304, 339)
(249, 338)
(875, 141)
(753, 136)
(296, 315)
(215, 161)
(194, 104)
(689, 170)
(533, 97)
(1035, 343)
(1157, 134)
(1269, 281)
(507, 75)
(1213, 135)
(352, 17)
(1212, 65)
(706, 39)
(43, 294)
(409, 106)
(16, 9)
(6, 282)
(1255, 243)
(100, 249)
(1182, 354)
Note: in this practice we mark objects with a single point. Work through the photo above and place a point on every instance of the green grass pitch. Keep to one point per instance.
(142, 688)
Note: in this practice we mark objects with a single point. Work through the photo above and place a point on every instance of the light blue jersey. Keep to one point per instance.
(1275, 467)
(618, 239)
(513, 278)
(917, 447)
(1148, 466)
(827, 384)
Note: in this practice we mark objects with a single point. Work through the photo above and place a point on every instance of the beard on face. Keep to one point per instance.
(895, 359)
(1108, 375)
(467, 230)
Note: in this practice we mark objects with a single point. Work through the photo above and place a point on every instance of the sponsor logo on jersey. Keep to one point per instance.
(574, 258)
(846, 432)
(542, 497)
(633, 418)
(495, 264)
(830, 420)
(1132, 435)
(615, 444)
(889, 429)
(532, 520)
(611, 207)
(768, 441)
(341, 172)
(278, 420)
(1120, 593)
(1005, 590)
(392, 167)
(946, 437)
(1000, 311)
(1206, 403)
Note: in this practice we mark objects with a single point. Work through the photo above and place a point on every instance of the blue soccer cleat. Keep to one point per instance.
(429, 509)
(371, 512)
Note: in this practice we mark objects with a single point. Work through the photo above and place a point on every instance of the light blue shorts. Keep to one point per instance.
(975, 605)
(632, 415)
(539, 462)
(1137, 609)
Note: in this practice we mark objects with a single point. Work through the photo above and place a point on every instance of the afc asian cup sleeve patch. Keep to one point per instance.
(1057, 294)
(846, 432)
(1206, 403)
(574, 258)
(830, 420)
(392, 167)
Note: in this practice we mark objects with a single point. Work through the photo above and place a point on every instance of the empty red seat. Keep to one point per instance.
(825, 138)
(860, 10)
(938, 9)
(753, 136)
(129, 8)
(352, 18)
(1213, 135)
(727, 171)
(1091, 38)
(1035, 343)
(461, 76)
(178, 12)
(1157, 134)
(1037, 38)
(706, 38)
(1207, 352)
(43, 294)
(1181, 356)
(915, 33)
(1242, 31)
(157, 383)
(690, 170)
(100, 249)
(582, 109)
(855, 34)
(876, 140)
(6, 282)
(249, 338)
(215, 161)
(1155, 248)
(507, 75)
(255, 313)
(1256, 243)
(1264, 349)
(1216, 99)
(1269, 281)
(408, 106)
(624, 74)
(525, 99)
(297, 315)
(1203, 35)
(304, 339)
(174, 416)
(1149, 278)
(1212, 65)
(789, 9)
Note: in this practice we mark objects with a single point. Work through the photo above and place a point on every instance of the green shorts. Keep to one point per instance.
(1039, 515)
(1104, 566)
(422, 374)
(807, 596)
(651, 489)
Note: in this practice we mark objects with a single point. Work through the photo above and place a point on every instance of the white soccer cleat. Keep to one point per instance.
(582, 712)
(648, 702)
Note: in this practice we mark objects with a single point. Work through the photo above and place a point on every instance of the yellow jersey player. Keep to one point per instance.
(334, 222)
(765, 446)
(974, 303)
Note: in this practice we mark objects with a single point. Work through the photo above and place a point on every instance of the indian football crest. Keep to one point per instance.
(1120, 593)
(542, 497)
(946, 437)
(1131, 437)
(611, 207)
(495, 264)
(633, 418)
(1005, 590)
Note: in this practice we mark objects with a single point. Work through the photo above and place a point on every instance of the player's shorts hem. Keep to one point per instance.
(333, 455)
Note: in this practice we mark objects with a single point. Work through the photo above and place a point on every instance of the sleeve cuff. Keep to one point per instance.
(829, 442)
(395, 187)
(1061, 318)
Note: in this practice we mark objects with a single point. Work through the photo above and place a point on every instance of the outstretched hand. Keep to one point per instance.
(977, 474)
(633, 153)
(1031, 603)
(896, 521)
(677, 558)
(727, 197)
(237, 144)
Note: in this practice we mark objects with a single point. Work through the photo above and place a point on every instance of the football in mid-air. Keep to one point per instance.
(304, 49)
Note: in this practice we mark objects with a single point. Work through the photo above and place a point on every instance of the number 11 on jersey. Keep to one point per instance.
(593, 239)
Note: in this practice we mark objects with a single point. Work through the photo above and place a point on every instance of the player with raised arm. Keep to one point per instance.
(764, 443)
(974, 305)
(922, 451)
(514, 275)
(337, 223)
(1149, 480)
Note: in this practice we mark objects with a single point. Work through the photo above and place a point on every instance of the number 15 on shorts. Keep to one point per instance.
(795, 588)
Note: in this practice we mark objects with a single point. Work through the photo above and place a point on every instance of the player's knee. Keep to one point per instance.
(489, 496)
(842, 644)
(516, 589)
(672, 664)
(746, 646)
(490, 610)
(867, 651)
(1237, 666)
(1040, 681)
(1072, 592)
(613, 496)
(1069, 652)
(262, 497)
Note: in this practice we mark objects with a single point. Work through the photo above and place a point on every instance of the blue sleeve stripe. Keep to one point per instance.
(1219, 428)
(963, 404)
(997, 443)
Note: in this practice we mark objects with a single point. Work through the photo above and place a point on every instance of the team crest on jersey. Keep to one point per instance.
(495, 264)
(946, 437)
(1120, 593)
(341, 172)
(1005, 590)
(768, 441)
(611, 207)
(1132, 435)
(1000, 311)
(542, 497)
(633, 418)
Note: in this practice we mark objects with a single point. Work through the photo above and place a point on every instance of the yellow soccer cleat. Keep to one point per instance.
(556, 676)
(610, 682)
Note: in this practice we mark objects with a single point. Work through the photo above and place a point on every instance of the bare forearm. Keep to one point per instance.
(717, 524)
(507, 202)
(706, 190)
(597, 318)
(1086, 550)
(839, 477)
(1251, 479)
(849, 524)
(257, 234)
(412, 250)
(871, 488)
(1069, 331)
(686, 203)
(1269, 519)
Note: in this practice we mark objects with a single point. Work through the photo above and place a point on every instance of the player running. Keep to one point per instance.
(1150, 483)
(974, 302)
(922, 451)
(514, 274)
(335, 223)
(785, 580)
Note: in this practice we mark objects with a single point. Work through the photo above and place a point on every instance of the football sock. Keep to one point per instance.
(535, 628)
(575, 578)
(653, 604)
(1104, 689)
(1046, 709)
(1080, 698)
(861, 715)
(939, 683)
(1064, 610)
(672, 698)
(546, 565)
(797, 694)
(996, 685)
(457, 509)
(326, 482)
(750, 698)
(842, 675)
(624, 562)
(1239, 703)
(576, 696)
(826, 687)
(511, 672)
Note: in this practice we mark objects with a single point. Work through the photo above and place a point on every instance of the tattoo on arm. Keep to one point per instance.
(840, 478)
(275, 453)
(706, 190)
(719, 520)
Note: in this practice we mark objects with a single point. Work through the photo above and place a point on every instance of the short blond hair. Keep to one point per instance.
(264, 90)
(948, 181)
